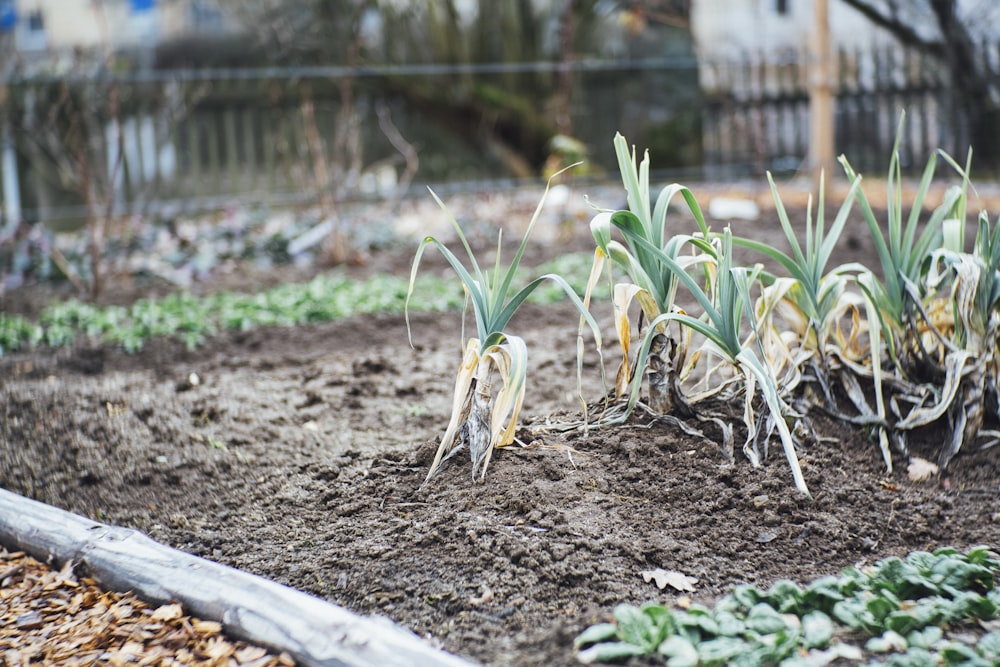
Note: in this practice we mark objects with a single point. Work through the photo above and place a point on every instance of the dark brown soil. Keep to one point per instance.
(300, 456)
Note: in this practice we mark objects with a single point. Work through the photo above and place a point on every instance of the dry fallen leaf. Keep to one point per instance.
(676, 580)
(206, 627)
(168, 612)
(55, 618)
(920, 470)
(487, 596)
(249, 654)
(218, 648)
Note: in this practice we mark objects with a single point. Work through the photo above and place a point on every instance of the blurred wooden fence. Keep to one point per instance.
(169, 142)
(756, 112)
(164, 142)
(181, 142)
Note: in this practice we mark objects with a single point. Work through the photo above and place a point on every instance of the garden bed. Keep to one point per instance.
(299, 454)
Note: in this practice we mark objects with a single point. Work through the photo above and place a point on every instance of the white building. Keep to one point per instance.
(773, 29)
(757, 66)
(53, 26)
(777, 29)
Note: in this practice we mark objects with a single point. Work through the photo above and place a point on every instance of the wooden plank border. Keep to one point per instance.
(314, 632)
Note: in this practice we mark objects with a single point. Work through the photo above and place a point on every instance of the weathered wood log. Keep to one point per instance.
(311, 630)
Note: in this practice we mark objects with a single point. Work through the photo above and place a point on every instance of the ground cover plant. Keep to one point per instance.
(313, 444)
(896, 606)
(192, 319)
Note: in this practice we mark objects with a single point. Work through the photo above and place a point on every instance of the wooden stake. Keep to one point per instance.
(821, 129)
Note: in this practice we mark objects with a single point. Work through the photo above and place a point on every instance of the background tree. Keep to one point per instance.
(509, 112)
(958, 35)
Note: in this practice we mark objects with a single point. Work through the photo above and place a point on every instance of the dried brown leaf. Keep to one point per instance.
(487, 596)
(168, 612)
(217, 649)
(249, 653)
(206, 627)
(676, 580)
(53, 618)
(920, 470)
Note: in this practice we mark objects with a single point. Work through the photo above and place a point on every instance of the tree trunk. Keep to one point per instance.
(564, 85)
(957, 51)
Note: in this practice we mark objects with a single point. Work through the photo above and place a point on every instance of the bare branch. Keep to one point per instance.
(901, 30)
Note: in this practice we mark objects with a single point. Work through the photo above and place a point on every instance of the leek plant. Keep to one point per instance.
(931, 317)
(811, 300)
(725, 303)
(814, 303)
(492, 377)
(969, 362)
(655, 265)
(650, 282)
(934, 365)
(903, 254)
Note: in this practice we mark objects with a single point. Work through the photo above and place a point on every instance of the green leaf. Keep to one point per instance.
(915, 657)
(609, 652)
(961, 574)
(880, 607)
(720, 650)
(679, 652)
(746, 596)
(853, 614)
(787, 642)
(960, 654)
(891, 570)
(970, 604)
(888, 641)
(925, 638)
(701, 620)
(635, 627)
(981, 555)
(729, 625)
(903, 622)
(764, 619)
(784, 595)
(916, 585)
(600, 632)
(822, 594)
(663, 621)
(989, 645)
(931, 611)
(817, 630)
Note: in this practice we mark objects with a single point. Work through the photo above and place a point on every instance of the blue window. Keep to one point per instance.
(36, 21)
(8, 15)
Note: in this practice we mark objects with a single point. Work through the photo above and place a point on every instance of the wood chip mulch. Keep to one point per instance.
(58, 618)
